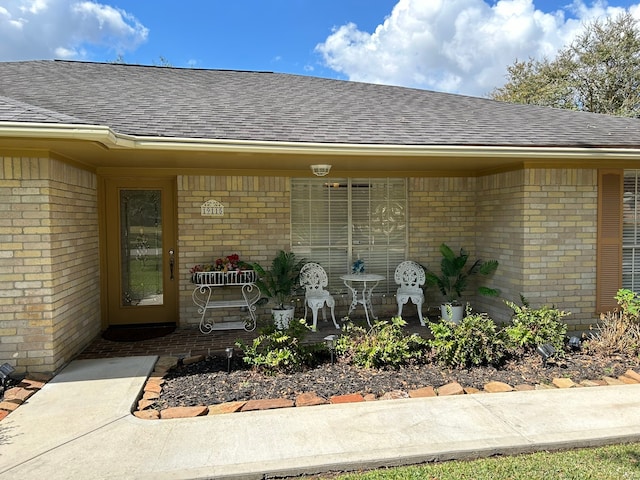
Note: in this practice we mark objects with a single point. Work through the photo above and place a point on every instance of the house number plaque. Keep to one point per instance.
(211, 208)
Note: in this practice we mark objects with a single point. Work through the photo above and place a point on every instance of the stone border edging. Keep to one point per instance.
(16, 396)
(153, 388)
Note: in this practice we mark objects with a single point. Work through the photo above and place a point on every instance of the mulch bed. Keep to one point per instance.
(207, 382)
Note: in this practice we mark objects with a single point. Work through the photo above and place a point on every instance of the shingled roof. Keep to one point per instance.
(263, 106)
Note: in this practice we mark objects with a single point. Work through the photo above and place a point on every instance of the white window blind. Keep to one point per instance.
(336, 221)
(631, 232)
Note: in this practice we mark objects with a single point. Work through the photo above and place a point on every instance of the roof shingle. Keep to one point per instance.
(264, 106)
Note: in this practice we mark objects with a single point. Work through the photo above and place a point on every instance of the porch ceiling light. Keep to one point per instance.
(320, 170)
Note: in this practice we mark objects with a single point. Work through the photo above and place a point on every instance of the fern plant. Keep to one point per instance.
(475, 341)
(384, 345)
(531, 327)
(283, 350)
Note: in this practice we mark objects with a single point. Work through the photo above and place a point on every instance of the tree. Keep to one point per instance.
(598, 72)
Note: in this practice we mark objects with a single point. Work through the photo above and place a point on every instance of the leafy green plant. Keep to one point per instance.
(629, 302)
(283, 350)
(453, 279)
(384, 345)
(531, 327)
(618, 332)
(280, 282)
(475, 341)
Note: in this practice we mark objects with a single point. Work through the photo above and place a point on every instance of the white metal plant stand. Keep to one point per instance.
(207, 281)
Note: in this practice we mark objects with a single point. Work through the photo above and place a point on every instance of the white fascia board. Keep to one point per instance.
(113, 140)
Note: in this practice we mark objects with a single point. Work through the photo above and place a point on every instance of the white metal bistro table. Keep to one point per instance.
(361, 286)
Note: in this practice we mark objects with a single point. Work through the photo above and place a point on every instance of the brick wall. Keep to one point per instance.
(50, 302)
(255, 225)
(560, 241)
(500, 236)
(440, 210)
(540, 224)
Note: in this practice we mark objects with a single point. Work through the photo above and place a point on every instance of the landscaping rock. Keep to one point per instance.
(394, 395)
(423, 392)
(545, 386)
(150, 395)
(453, 388)
(627, 380)
(144, 404)
(497, 387)
(152, 387)
(473, 390)
(183, 412)
(31, 384)
(524, 387)
(632, 374)
(563, 382)
(8, 406)
(310, 399)
(18, 394)
(349, 398)
(147, 414)
(227, 407)
(590, 383)
(612, 381)
(266, 404)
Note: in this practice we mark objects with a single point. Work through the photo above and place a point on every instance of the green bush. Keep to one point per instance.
(531, 327)
(276, 351)
(629, 303)
(385, 345)
(475, 341)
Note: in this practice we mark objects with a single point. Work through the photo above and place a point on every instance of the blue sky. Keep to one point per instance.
(460, 46)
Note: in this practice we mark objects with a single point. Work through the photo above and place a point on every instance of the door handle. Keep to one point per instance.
(172, 262)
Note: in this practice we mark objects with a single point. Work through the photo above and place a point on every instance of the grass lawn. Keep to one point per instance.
(616, 462)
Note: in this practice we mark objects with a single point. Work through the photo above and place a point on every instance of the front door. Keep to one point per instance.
(140, 246)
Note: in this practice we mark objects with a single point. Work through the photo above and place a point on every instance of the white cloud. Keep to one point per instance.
(40, 29)
(460, 46)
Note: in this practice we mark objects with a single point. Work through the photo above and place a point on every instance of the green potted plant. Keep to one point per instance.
(453, 279)
(279, 285)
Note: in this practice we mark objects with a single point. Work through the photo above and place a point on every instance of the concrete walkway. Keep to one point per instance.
(79, 426)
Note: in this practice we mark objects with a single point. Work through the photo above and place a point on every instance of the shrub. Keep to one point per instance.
(384, 345)
(618, 332)
(281, 350)
(475, 341)
(531, 327)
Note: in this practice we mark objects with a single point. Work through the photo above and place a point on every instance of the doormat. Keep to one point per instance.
(137, 333)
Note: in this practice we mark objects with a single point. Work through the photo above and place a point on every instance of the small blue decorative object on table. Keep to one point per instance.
(358, 266)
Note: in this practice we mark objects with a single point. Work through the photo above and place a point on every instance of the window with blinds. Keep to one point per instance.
(337, 221)
(631, 231)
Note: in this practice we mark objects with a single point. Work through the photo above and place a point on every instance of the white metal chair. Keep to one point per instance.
(314, 280)
(411, 277)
